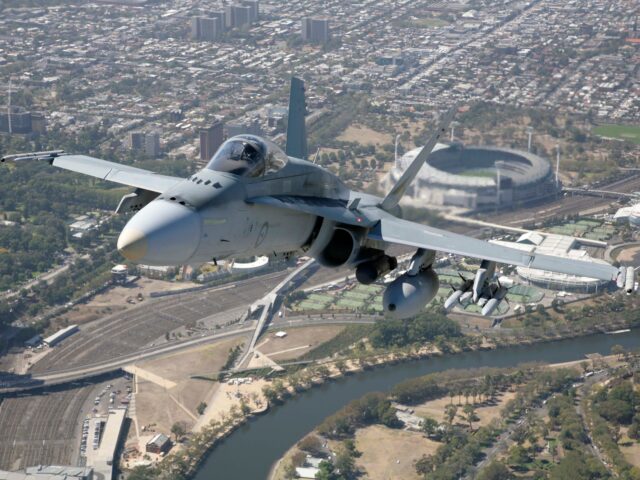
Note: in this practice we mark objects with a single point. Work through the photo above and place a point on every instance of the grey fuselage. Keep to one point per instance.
(210, 216)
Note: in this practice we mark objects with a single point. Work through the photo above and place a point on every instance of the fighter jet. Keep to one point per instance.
(253, 198)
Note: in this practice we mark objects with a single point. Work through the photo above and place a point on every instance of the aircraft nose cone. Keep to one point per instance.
(162, 233)
(132, 244)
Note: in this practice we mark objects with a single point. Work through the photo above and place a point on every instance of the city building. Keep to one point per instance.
(629, 214)
(210, 140)
(239, 15)
(315, 30)
(136, 140)
(60, 335)
(38, 123)
(105, 458)
(17, 120)
(254, 5)
(152, 144)
(155, 271)
(558, 246)
(208, 29)
(476, 178)
(158, 444)
(246, 127)
(147, 142)
(119, 274)
(33, 341)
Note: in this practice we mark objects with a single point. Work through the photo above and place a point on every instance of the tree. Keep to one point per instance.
(244, 408)
(450, 412)
(345, 463)
(290, 471)
(634, 429)
(470, 415)
(430, 426)
(425, 465)
(201, 408)
(553, 450)
(585, 366)
(350, 445)
(618, 350)
(495, 471)
(518, 456)
(326, 471)
(311, 444)
(178, 429)
(145, 472)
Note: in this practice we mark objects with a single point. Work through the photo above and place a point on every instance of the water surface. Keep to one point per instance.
(249, 452)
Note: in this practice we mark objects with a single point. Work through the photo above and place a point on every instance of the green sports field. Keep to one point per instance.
(630, 133)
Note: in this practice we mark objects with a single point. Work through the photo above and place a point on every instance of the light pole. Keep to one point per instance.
(453, 130)
(557, 166)
(9, 107)
(530, 133)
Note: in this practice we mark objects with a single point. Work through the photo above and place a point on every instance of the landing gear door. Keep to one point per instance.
(135, 200)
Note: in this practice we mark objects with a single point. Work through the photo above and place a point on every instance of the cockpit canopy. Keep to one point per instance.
(248, 156)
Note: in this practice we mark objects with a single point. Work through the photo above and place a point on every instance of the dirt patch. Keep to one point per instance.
(630, 449)
(297, 342)
(629, 254)
(389, 454)
(120, 298)
(436, 409)
(364, 136)
(156, 410)
(156, 404)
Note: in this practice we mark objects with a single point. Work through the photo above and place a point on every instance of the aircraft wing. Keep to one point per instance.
(333, 209)
(114, 172)
(395, 230)
(102, 169)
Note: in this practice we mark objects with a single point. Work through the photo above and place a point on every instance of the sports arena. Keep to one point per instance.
(476, 177)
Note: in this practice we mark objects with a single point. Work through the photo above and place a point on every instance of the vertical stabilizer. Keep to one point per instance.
(296, 128)
(397, 191)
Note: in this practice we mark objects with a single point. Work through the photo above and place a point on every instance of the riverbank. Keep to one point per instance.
(384, 452)
(267, 437)
(371, 373)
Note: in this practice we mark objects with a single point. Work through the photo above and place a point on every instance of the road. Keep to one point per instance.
(563, 206)
(72, 374)
(45, 277)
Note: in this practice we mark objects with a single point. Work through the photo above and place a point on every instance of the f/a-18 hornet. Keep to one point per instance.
(253, 198)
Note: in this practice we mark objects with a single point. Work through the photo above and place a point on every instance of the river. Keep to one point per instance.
(249, 452)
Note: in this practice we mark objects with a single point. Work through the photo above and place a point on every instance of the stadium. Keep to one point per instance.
(476, 178)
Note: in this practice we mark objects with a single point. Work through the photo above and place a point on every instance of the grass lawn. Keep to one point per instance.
(630, 133)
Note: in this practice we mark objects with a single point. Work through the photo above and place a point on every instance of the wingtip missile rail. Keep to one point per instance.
(47, 155)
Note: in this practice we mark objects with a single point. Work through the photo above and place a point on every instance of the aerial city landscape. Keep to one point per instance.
(257, 239)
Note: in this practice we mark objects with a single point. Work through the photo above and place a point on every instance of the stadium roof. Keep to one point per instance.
(521, 167)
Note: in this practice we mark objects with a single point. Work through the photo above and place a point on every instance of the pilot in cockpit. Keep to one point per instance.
(248, 156)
